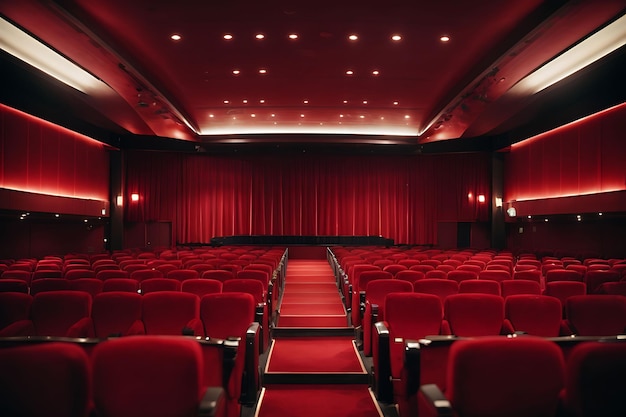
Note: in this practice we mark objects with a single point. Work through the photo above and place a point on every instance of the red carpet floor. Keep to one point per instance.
(314, 355)
(317, 401)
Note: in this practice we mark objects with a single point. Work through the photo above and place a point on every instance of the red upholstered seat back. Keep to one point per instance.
(563, 275)
(218, 274)
(565, 289)
(147, 375)
(261, 276)
(120, 284)
(595, 384)
(227, 314)
(116, 313)
(494, 275)
(479, 286)
(409, 275)
(439, 287)
(143, 274)
(159, 284)
(413, 315)
(14, 306)
(530, 275)
(53, 313)
(168, 312)
(249, 286)
(596, 315)
(48, 379)
(459, 275)
(183, 274)
(594, 279)
(519, 286)
(512, 377)
(92, 286)
(538, 315)
(474, 314)
(201, 286)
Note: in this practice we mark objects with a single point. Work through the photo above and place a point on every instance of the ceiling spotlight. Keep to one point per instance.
(261, 101)
(253, 115)
(396, 38)
(445, 39)
(262, 71)
(395, 103)
(273, 115)
(259, 36)
(228, 36)
(176, 37)
(244, 101)
(293, 36)
(236, 72)
(361, 117)
(406, 116)
(341, 115)
(364, 101)
(375, 72)
(306, 101)
(349, 72)
(211, 115)
(302, 115)
(226, 101)
(353, 37)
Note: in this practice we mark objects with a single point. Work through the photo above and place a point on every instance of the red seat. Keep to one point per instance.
(375, 296)
(15, 314)
(201, 286)
(479, 286)
(563, 275)
(471, 315)
(227, 315)
(79, 273)
(218, 274)
(144, 385)
(595, 278)
(459, 275)
(25, 276)
(494, 275)
(615, 288)
(358, 292)
(538, 315)
(393, 269)
(91, 286)
(410, 276)
(183, 274)
(117, 313)
(49, 284)
(111, 273)
(498, 377)
(159, 284)
(13, 285)
(262, 315)
(595, 383)
(47, 379)
(596, 315)
(42, 274)
(439, 287)
(529, 275)
(120, 284)
(143, 274)
(171, 313)
(436, 274)
(519, 286)
(565, 289)
(61, 314)
(408, 316)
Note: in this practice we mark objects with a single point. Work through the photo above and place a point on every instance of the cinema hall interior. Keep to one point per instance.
(401, 208)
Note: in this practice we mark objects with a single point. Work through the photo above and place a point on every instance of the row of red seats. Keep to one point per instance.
(133, 376)
(526, 376)
(414, 317)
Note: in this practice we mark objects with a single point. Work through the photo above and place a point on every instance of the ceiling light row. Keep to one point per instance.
(262, 101)
(302, 116)
(353, 37)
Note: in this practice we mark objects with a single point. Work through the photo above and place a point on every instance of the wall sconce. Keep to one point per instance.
(498, 201)
(469, 196)
(134, 197)
(119, 201)
(511, 212)
(481, 198)
(104, 212)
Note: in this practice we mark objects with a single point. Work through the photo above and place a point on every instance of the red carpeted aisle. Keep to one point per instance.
(321, 375)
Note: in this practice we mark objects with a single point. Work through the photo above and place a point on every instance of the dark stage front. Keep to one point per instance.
(302, 240)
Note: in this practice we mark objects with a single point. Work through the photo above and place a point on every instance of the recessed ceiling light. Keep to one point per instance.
(445, 39)
(382, 117)
(236, 72)
(253, 115)
(211, 116)
(396, 38)
(395, 103)
(245, 101)
(261, 101)
(306, 101)
(361, 117)
(406, 116)
(375, 72)
(293, 36)
(259, 36)
(302, 115)
(228, 36)
(364, 101)
(273, 115)
(226, 101)
(176, 37)
(349, 72)
(353, 37)
(345, 102)
(262, 71)
(341, 115)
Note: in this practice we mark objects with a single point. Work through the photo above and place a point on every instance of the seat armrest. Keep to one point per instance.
(436, 402)
(82, 328)
(211, 402)
(250, 383)
(412, 353)
(362, 303)
(18, 328)
(383, 387)
(196, 327)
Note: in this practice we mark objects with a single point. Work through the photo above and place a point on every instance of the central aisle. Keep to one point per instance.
(314, 375)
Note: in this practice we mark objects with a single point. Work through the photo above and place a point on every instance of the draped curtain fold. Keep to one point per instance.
(398, 197)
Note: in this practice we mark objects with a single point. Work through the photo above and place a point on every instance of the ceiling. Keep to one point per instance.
(350, 72)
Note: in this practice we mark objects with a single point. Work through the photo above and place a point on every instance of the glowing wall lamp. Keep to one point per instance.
(28, 49)
(119, 201)
(498, 201)
(481, 198)
(134, 197)
(512, 212)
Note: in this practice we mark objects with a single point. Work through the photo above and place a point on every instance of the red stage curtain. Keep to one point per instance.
(397, 197)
